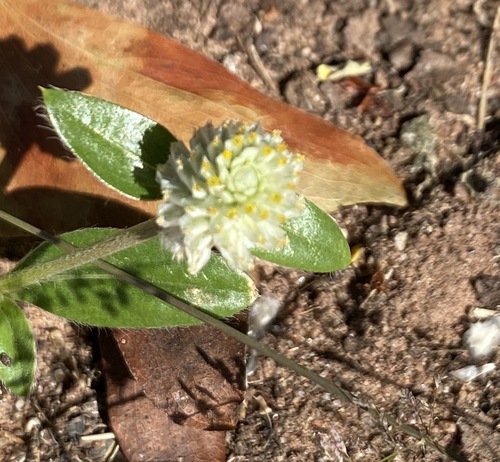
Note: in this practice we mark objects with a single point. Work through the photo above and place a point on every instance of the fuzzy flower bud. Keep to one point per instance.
(232, 191)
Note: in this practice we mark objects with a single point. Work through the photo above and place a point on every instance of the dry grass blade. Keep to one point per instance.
(488, 70)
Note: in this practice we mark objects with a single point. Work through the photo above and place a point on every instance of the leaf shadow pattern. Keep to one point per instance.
(32, 151)
(195, 378)
(154, 150)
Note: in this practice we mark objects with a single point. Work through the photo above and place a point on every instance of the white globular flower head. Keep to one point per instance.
(232, 190)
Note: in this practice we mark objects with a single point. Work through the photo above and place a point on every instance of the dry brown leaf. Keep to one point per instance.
(144, 431)
(57, 43)
(195, 374)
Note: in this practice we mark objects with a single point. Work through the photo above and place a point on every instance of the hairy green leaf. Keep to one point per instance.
(316, 243)
(17, 349)
(91, 296)
(121, 147)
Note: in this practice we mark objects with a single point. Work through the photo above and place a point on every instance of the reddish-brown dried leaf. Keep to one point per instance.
(145, 432)
(40, 182)
(195, 375)
(56, 43)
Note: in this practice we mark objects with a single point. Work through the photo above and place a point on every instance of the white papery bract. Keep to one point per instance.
(232, 190)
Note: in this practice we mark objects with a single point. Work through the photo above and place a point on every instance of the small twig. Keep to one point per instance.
(258, 65)
(488, 69)
(124, 239)
(112, 453)
(97, 437)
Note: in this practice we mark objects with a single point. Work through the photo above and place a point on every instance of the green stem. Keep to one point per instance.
(124, 239)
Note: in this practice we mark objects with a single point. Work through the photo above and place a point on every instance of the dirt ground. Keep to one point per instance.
(389, 328)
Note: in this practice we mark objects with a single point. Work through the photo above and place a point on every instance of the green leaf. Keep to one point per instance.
(121, 147)
(17, 349)
(316, 243)
(89, 295)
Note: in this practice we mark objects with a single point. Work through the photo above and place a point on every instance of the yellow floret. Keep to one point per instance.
(213, 181)
(281, 147)
(232, 213)
(237, 141)
(250, 208)
(267, 150)
(276, 197)
(251, 137)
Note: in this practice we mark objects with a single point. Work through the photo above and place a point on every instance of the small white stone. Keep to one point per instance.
(483, 313)
(400, 240)
(33, 422)
(262, 314)
(19, 405)
(468, 373)
(483, 337)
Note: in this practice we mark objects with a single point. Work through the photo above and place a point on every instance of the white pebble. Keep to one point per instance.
(262, 314)
(400, 240)
(19, 405)
(468, 373)
(33, 422)
(483, 337)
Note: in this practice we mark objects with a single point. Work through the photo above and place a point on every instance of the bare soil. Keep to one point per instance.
(389, 328)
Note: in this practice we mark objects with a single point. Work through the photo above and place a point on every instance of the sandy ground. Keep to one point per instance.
(390, 328)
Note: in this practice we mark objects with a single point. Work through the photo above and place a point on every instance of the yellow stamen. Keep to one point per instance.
(237, 141)
(276, 197)
(251, 137)
(250, 208)
(281, 147)
(227, 154)
(232, 213)
(213, 181)
(281, 218)
(264, 214)
(212, 210)
(283, 160)
(206, 166)
(267, 150)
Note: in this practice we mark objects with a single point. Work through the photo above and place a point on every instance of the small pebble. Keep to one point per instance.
(19, 404)
(469, 373)
(32, 424)
(483, 337)
(418, 134)
(400, 240)
(59, 375)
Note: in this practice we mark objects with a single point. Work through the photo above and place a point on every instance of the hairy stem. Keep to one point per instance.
(124, 239)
